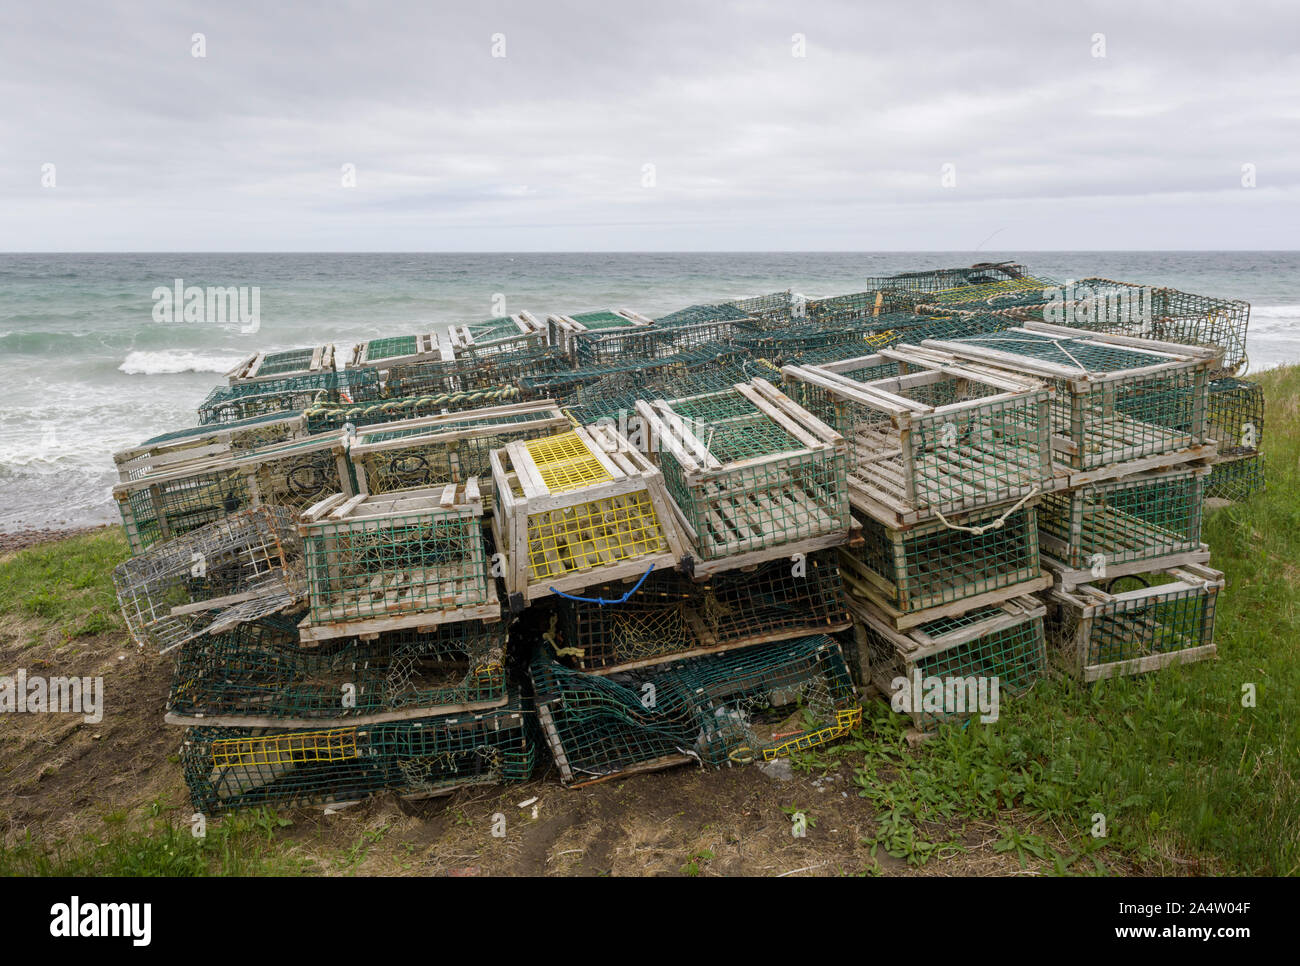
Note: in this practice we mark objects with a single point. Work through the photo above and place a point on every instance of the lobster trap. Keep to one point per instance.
(936, 569)
(1101, 530)
(234, 768)
(772, 311)
(692, 314)
(185, 496)
(942, 439)
(1164, 314)
(157, 454)
(669, 615)
(324, 417)
(471, 372)
(1166, 617)
(577, 509)
(392, 562)
(256, 675)
(381, 354)
(561, 329)
(940, 279)
(246, 566)
(507, 333)
(1235, 418)
(649, 341)
(1237, 479)
(612, 397)
(229, 404)
(750, 472)
(266, 366)
(1116, 398)
(420, 453)
(755, 704)
(954, 667)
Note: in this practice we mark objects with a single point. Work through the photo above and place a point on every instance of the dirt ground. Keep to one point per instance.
(62, 777)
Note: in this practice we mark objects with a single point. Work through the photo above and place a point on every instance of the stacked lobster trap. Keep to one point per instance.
(1121, 525)
(646, 543)
(946, 466)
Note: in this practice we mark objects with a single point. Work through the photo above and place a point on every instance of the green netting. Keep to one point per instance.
(715, 312)
(290, 360)
(647, 342)
(671, 613)
(999, 294)
(394, 346)
(601, 320)
(233, 439)
(234, 428)
(227, 404)
(490, 330)
(406, 562)
(756, 702)
(933, 564)
(1102, 524)
(934, 280)
(161, 511)
(233, 768)
(751, 503)
(1014, 655)
(982, 454)
(255, 671)
(1237, 479)
(613, 398)
(449, 452)
(1118, 418)
(1235, 418)
(252, 558)
(1169, 621)
(324, 417)
(472, 371)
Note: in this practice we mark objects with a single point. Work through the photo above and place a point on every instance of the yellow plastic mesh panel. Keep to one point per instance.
(595, 534)
(338, 744)
(565, 463)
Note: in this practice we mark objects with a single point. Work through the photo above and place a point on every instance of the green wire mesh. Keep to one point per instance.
(753, 703)
(471, 371)
(418, 562)
(1116, 419)
(432, 456)
(1124, 521)
(613, 397)
(237, 437)
(718, 312)
(229, 404)
(1118, 631)
(256, 671)
(932, 564)
(168, 509)
(1015, 655)
(234, 768)
(671, 613)
(601, 320)
(392, 347)
(290, 360)
(985, 453)
(648, 342)
(759, 498)
(252, 558)
(939, 279)
(1236, 480)
(1236, 416)
(323, 417)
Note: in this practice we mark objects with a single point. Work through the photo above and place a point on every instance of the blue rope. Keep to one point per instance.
(601, 600)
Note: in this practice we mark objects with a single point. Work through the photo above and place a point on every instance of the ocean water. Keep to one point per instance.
(85, 369)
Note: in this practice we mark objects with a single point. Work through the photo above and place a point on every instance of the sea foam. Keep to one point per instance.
(167, 362)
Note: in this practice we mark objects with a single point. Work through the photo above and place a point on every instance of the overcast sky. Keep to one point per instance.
(547, 147)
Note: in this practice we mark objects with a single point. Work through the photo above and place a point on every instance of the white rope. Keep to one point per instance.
(996, 524)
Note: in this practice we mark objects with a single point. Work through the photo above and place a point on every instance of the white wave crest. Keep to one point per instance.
(173, 361)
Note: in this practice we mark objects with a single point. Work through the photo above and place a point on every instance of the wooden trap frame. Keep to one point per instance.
(577, 509)
(246, 566)
(562, 328)
(418, 453)
(165, 451)
(413, 559)
(266, 366)
(508, 333)
(1005, 641)
(1108, 632)
(935, 439)
(752, 474)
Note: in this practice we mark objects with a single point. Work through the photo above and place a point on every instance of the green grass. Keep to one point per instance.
(1181, 771)
(155, 845)
(66, 586)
